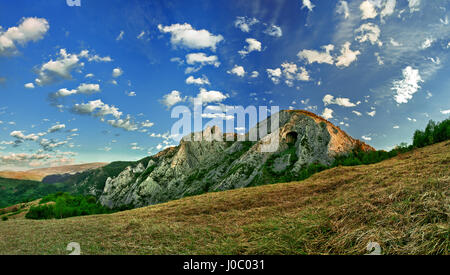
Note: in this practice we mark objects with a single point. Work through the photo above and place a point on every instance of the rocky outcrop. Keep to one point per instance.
(214, 164)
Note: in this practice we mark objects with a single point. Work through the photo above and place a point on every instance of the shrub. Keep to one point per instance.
(4, 218)
(66, 206)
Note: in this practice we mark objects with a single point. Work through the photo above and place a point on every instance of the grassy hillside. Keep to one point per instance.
(401, 203)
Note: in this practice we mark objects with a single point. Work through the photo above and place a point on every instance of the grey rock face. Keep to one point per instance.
(213, 164)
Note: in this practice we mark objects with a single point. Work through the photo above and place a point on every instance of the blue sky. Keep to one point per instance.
(98, 82)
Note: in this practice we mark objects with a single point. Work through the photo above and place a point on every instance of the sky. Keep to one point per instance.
(98, 81)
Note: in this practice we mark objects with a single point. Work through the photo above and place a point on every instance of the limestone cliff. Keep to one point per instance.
(214, 164)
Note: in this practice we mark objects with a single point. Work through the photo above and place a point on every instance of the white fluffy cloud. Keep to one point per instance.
(65, 63)
(342, 8)
(445, 112)
(274, 75)
(198, 81)
(117, 72)
(327, 113)
(347, 56)
(253, 45)
(96, 108)
(372, 113)
(56, 128)
(60, 68)
(406, 87)
(366, 138)
(206, 96)
(312, 56)
(185, 35)
(389, 8)
(29, 29)
(21, 136)
(274, 30)
(237, 70)
(29, 86)
(341, 101)
(368, 10)
(172, 98)
(369, 32)
(414, 5)
(254, 74)
(82, 89)
(307, 4)
(126, 124)
(357, 113)
(245, 23)
(202, 59)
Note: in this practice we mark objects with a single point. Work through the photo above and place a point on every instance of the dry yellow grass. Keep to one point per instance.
(402, 203)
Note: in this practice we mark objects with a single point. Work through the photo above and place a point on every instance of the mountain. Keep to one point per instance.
(400, 203)
(214, 164)
(41, 173)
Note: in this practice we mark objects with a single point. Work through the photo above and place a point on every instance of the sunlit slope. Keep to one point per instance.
(402, 203)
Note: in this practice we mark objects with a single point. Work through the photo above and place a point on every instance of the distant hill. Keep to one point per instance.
(39, 174)
(400, 203)
(14, 191)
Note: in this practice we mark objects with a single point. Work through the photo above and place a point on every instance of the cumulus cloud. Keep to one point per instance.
(65, 63)
(56, 128)
(254, 74)
(406, 87)
(185, 35)
(366, 138)
(307, 4)
(29, 86)
(198, 81)
(126, 124)
(172, 98)
(274, 75)
(253, 45)
(117, 72)
(96, 108)
(389, 8)
(206, 96)
(342, 8)
(237, 70)
(22, 159)
(368, 10)
(357, 113)
(327, 113)
(95, 57)
(372, 113)
(202, 59)
(347, 56)
(427, 43)
(274, 30)
(29, 29)
(61, 68)
(341, 101)
(21, 136)
(369, 32)
(445, 112)
(414, 5)
(312, 56)
(82, 89)
(245, 23)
